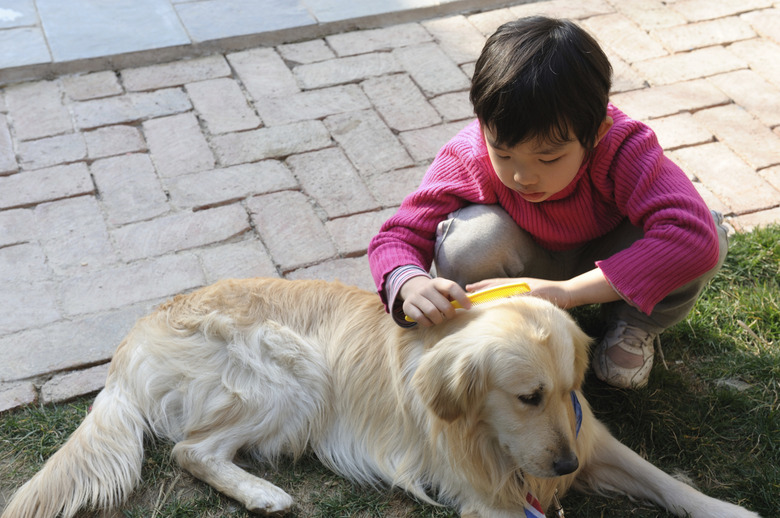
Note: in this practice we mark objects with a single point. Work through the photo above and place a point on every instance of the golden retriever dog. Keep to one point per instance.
(482, 413)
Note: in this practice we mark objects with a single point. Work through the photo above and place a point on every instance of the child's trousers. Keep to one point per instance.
(482, 241)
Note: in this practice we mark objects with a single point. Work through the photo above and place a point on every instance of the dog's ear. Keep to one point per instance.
(582, 346)
(451, 380)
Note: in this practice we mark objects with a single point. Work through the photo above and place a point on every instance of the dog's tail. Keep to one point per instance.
(98, 465)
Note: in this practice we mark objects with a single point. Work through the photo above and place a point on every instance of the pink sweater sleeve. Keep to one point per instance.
(457, 176)
(680, 242)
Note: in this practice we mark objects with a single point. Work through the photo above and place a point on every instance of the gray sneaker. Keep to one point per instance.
(624, 357)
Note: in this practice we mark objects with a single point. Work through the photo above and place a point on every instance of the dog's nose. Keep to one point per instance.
(566, 464)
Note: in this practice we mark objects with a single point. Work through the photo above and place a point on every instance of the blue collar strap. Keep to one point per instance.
(577, 410)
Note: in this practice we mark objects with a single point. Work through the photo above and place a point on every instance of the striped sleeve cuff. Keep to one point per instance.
(395, 280)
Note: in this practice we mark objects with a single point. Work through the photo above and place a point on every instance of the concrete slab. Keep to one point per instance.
(83, 29)
(23, 46)
(241, 17)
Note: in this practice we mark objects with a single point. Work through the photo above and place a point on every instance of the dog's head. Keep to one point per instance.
(511, 367)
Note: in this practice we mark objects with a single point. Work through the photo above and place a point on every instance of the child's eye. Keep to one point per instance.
(550, 161)
(503, 157)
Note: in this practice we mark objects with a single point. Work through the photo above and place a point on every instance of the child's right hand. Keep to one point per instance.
(427, 301)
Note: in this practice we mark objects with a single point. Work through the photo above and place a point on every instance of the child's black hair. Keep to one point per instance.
(541, 78)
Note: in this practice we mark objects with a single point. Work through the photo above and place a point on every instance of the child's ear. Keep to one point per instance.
(603, 129)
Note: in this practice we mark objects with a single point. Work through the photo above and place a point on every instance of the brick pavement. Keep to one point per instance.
(120, 188)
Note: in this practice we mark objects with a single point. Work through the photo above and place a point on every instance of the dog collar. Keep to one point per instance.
(577, 411)
(532, 506)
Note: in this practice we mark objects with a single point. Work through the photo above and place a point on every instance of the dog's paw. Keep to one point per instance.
(269, 501)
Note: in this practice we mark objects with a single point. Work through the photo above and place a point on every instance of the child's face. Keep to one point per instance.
(535, 170)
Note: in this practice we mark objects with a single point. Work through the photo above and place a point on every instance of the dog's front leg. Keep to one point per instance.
(613, 467)
(257, 495)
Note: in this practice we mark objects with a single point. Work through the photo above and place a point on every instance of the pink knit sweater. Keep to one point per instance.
(627, 176)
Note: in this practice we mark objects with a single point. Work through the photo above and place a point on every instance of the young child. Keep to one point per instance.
(553, 186)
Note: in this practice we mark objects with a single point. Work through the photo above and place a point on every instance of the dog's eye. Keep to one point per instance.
(531, 399)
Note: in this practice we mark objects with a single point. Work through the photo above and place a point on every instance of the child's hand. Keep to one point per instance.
(557, 292)
(427, 301)
(588, 288)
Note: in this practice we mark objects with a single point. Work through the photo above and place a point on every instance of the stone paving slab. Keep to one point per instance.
(124, 186)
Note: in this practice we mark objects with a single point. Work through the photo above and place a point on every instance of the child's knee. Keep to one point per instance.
(479, 242)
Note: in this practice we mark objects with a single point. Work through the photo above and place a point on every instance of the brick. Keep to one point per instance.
(17, 395)
(345, 70)
(353, 271)
(67, 344)
(74, 235)
(690, 65)
(423, 144)
(697, 10)
(651, 103)
(92, 86)
(177, 145)
(127, 197)
(431, 69)
(704, 34)
(353, 233)
(113, 140)
(176, 73)
(624, 37)
(16, 226)
(305, 52)
(263, 73)
(650, 14)
(222, 105)
(54, 183)
(728, 177)
(37, 110)
(314, 104)
(390, 188)
(563, 9)
(712, 201)
(292, 242)
(274, 142)
(180, 231)
(34, 304)
(220, 186)
(488, 21)
(242, 260)
(130, 108)
(765, 22)
(454, 106)
(458, 38)
(679, 131)
(400, 102)
(374, 40)
(124, 285)
(762, 57)
(763, 218)
(624, 78)
(63, 387)
(368, 142)
(745, 135)
(49, 151)
(752, 92)
(329, 178)
(7, 154)
(771, 175)
(23, 262)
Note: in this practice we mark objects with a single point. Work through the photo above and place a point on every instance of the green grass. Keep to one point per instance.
(712, 417)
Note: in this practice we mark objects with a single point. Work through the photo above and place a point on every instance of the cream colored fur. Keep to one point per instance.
(473, 413)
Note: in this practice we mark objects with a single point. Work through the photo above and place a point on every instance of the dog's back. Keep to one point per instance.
(221, 362)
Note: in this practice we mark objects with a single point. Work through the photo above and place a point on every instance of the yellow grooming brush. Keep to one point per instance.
(489, 294)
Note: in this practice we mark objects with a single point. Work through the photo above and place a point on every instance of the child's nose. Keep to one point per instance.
(525, 178)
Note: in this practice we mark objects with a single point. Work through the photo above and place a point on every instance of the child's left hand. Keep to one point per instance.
(588, 288)
(553, 291)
